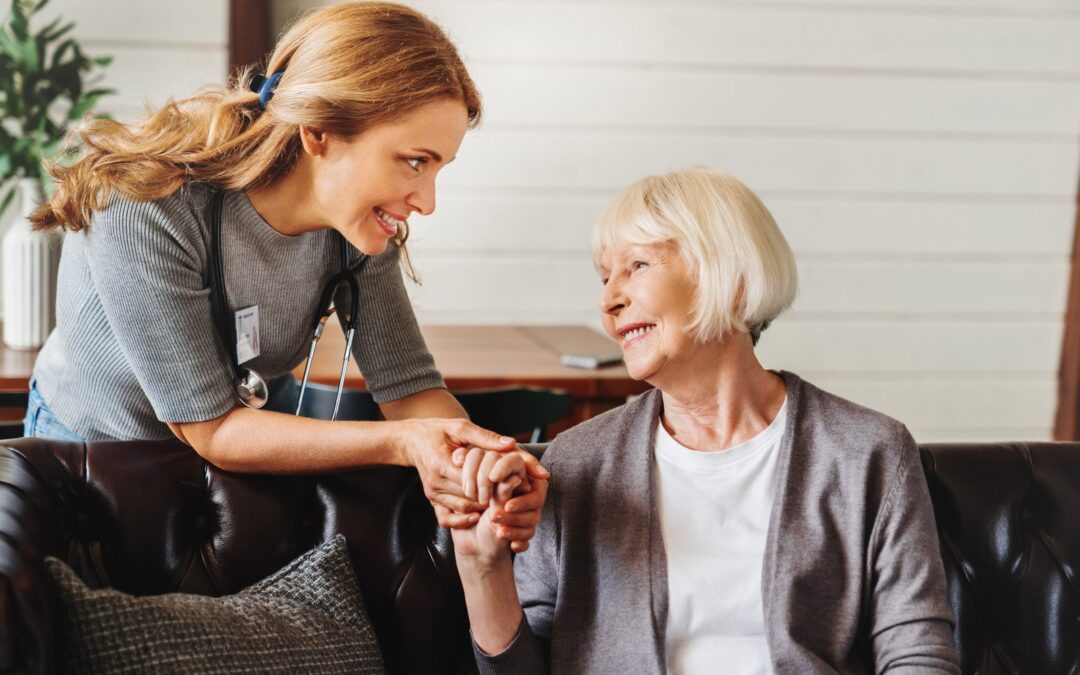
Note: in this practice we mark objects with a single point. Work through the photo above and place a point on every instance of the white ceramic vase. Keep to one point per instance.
(30, 261)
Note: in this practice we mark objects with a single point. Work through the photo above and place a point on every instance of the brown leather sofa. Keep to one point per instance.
(153, 517)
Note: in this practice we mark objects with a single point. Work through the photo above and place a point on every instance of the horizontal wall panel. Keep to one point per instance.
(144, 75)
(748, 35)
(608, 161)
(884, 347)
(149, 22)
(944, 404)
(466, 283)
(939, 287)
(468, 221)
(537, 94)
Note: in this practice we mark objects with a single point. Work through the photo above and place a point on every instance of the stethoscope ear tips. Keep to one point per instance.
(251, 389)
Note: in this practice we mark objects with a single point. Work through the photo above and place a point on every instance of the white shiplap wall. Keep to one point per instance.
(160, 49)
(921, 156)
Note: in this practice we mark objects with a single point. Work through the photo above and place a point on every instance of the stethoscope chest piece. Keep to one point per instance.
(251, 388)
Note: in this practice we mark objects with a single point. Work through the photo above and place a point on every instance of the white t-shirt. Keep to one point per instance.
(714, 518)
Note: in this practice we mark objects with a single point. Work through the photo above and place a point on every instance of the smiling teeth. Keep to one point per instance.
(389, 219)
(636, 333)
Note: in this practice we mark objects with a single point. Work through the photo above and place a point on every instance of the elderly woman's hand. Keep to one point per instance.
(516, 521)
(492, 478)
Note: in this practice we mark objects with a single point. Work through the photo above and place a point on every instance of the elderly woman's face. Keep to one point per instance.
(646, 306)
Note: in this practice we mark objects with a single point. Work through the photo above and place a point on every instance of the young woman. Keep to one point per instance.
(249, 206)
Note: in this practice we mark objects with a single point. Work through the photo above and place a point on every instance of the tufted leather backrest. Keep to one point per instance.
(1008, 518)
(154, 517)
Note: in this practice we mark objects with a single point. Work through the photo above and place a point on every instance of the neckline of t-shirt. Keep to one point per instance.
(247, 213)
(671, 450)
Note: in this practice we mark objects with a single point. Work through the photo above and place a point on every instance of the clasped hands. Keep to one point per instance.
(482, 486)
(510, 488)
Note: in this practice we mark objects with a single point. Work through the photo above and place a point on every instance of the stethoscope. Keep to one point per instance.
(251, 388)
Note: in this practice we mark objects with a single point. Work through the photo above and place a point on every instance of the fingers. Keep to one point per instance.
(508, 464)
(455, 503)
(531, 501)
(470, 434)
(483, 477)
(525, 519)
(504, 489)
(468, 471)
(485, 472)
(450, 520)
(519, 546)
(536, 470)
(507, 533)
(458, 456)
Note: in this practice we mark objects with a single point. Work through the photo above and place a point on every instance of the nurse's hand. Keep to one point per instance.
(428, 444)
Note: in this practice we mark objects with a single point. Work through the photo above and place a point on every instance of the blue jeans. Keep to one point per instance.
(41, 422)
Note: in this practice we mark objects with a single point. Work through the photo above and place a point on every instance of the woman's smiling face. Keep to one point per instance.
(367, 186)
(647, 307)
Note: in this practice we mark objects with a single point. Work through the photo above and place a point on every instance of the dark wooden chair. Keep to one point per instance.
(12, 411)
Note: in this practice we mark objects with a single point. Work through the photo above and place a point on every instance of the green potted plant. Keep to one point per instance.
(46, 83)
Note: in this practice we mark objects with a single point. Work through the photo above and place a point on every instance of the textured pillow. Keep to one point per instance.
(307, 617)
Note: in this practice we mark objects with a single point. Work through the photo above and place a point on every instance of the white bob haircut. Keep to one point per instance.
(738, 260)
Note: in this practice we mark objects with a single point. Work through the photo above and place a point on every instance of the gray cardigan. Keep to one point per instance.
(852, 579)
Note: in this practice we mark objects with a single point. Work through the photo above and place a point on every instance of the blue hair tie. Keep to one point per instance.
(264, 87)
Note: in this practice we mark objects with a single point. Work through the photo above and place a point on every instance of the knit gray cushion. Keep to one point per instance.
(308, 617)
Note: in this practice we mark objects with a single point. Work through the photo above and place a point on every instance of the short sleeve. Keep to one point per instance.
(389, 347)
(147, 262)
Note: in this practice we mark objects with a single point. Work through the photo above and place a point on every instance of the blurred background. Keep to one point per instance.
(922, 157)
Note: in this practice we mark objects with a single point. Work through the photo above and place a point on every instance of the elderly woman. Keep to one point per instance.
(733, 519)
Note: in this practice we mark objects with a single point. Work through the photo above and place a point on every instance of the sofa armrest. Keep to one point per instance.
(29, 530)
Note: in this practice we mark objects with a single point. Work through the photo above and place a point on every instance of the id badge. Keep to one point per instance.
(247, 333)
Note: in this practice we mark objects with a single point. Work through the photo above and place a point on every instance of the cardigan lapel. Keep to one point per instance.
(645, 438)
(778, 536)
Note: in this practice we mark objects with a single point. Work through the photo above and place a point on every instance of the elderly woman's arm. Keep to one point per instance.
(910, 618)
(504, 641)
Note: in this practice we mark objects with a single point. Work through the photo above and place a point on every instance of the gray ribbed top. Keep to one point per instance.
(135, 344)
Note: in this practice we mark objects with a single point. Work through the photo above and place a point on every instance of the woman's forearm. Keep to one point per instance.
(259, 441)
(492, 601)
(427, 403)
(245, 440)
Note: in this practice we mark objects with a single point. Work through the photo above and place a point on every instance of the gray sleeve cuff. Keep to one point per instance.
(526, 655)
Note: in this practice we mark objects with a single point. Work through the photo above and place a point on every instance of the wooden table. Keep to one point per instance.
(482, 357)
(470, 357)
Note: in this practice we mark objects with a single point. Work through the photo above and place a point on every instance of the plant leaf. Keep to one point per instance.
(41, 34)
(30, 54)
(19, 24)
(83, 106)
(56, 35)
(10, 46)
